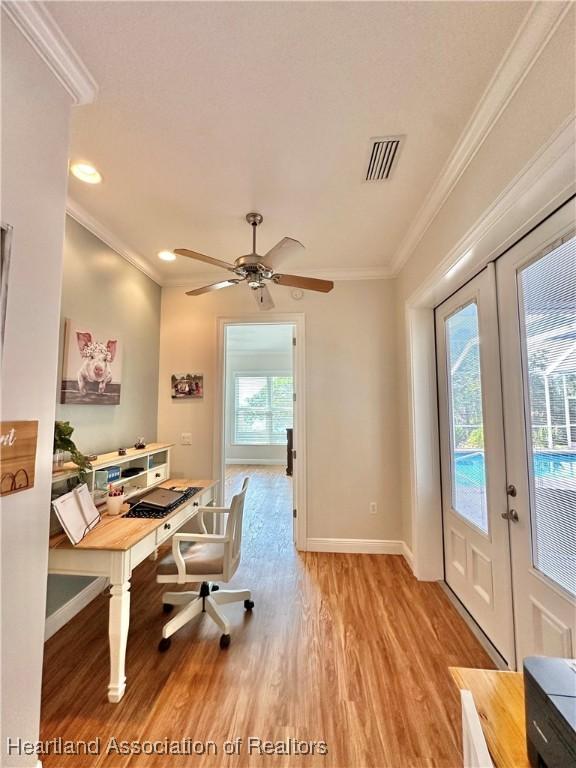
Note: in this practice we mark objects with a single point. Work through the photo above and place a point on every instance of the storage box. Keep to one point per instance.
(106, 476)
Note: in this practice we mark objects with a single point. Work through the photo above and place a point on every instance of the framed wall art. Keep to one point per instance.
(187, 385)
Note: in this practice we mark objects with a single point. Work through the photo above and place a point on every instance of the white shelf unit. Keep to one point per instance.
(152, 461)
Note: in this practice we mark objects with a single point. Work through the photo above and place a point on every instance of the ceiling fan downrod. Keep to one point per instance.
(254, 219)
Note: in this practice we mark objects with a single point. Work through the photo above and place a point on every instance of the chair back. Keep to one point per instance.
(234, 532)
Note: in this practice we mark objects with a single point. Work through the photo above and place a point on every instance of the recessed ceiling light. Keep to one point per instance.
(167, 256)
(86, 173)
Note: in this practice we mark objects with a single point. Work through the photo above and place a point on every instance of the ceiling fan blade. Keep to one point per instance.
(202, 257)
(307, 283)
(263, 298)
(285, 248)
(213, 287)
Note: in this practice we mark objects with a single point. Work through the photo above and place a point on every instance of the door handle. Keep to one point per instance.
(511, 490)
(511, 515)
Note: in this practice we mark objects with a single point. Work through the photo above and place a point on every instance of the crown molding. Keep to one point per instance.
(79, 214)
(329, 273)
(38, 27)
(92, 225)
(546, 182)
(537, 28)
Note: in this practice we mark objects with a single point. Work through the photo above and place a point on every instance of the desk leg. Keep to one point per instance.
(118, 622)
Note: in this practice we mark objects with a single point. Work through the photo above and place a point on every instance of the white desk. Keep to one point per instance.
(113, 549)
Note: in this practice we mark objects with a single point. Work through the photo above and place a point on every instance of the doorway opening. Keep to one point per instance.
(260, 426)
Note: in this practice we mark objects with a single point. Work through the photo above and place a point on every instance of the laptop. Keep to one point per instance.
(162, 498)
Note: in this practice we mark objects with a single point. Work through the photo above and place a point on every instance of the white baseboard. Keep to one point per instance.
(356, 546)
(408, 556)
(275, 462)
(62, 616)
(483, 639)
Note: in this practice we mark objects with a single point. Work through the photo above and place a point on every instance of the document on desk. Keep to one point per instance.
(77, 513)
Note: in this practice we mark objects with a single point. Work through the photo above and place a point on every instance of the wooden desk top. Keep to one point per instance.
(121, 533)
(499, 699)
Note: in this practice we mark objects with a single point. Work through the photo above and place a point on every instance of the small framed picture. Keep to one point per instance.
(187, 385)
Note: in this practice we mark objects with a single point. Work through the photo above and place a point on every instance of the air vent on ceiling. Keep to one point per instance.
(382, 157)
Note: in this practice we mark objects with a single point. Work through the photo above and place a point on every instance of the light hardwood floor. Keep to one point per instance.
(346, 649)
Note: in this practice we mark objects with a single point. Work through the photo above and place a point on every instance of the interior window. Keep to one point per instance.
(466, 417)
(548, 330)
(263, 408)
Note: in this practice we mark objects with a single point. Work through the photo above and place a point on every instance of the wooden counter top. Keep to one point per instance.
(499, 700)
(121, 533)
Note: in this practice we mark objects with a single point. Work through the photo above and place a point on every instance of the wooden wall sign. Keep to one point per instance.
(17, 455)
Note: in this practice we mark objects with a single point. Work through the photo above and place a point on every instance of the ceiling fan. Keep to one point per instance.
(257, 270)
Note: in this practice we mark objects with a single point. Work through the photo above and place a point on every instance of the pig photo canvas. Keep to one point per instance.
(92, 366)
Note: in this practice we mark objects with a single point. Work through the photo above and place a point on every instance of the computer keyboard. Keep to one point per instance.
(141, 509)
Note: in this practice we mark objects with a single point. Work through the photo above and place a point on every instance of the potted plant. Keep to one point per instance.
(63, 443)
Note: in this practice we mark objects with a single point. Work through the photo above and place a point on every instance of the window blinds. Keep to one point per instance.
(262, 409)
(547, 293)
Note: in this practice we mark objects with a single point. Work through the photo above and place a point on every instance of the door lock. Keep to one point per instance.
(511, 515)
(511, 490)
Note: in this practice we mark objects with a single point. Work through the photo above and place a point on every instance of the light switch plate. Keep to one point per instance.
(186, 438)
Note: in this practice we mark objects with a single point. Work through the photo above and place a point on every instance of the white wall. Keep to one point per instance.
(35, 120)
(102, 290)
(350, 397)
(253, 362)
(541, 105)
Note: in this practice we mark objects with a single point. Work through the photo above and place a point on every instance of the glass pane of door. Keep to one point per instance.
(547, 290)
(466, 417)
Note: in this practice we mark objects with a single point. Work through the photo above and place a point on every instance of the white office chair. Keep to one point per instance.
(476, 754)
(207, 557)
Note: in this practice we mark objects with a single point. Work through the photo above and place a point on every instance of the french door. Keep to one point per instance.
(537, 307)
(476, 531)
(506, 352)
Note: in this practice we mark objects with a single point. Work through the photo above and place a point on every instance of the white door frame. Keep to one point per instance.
(546, 182)
(297, 320)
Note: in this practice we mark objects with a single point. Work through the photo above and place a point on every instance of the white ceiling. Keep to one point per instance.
(209, 110)
(259, 338)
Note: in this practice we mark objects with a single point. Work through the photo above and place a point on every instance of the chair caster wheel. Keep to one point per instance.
(167, 608)
(224, 641)
(164, 644)
(215, 588)
(248, 605)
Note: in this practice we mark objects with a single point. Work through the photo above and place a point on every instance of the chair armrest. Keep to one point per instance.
(212, 510)
(191, 537)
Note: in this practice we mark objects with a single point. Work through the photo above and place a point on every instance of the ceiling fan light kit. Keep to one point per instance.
(257, 270)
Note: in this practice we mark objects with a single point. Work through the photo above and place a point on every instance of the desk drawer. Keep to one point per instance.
(157, 475)
(174, 523)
